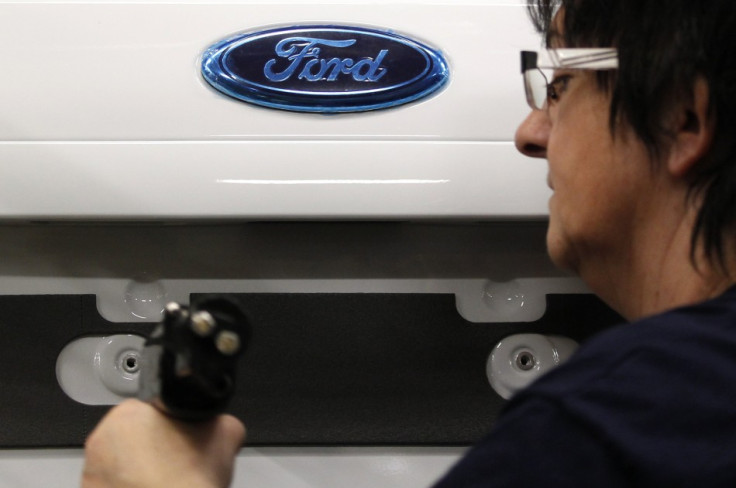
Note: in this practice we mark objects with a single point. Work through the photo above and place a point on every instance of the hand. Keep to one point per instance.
(136, 446)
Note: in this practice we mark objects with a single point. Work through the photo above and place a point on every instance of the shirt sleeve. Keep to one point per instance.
(537, 443)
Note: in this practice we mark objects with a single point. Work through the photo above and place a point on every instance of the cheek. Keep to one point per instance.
(591, 216)
(596, 183)
(580, 158)
(587, 198)
(585, 205)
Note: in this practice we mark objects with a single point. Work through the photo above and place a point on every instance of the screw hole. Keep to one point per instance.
(525, 361)
(130, 363)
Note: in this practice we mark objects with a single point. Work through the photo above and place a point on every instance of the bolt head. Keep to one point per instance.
(227, 342)
(203, 324)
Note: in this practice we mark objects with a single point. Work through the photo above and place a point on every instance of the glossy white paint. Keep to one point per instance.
(412, 467)
(105, 116)
(115, 306)
(92, 370)
(518, 360)
(497, 272)
(134, 269)
(216, 180)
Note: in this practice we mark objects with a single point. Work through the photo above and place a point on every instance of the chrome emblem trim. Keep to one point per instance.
(324, 68)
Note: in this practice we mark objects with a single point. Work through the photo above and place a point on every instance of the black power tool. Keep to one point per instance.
(188, 364)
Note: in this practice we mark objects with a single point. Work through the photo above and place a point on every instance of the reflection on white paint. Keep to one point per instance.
(334, 182)
(407, 467)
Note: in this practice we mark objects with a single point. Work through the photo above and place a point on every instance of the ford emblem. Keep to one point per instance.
(326, 69)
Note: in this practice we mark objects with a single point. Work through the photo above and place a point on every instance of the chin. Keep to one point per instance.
(560, 251)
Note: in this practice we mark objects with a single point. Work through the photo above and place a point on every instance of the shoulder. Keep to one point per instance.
(648, 403)
(690, 341)
(536, 444)
(662, 384)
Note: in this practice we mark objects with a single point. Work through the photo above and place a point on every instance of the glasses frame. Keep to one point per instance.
(532, 63)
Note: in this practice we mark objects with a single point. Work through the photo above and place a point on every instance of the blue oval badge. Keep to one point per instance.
(325, 69)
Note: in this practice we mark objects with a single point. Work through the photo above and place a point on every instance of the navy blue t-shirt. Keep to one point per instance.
(652, 403)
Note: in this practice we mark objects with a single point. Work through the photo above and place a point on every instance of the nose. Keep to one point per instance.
(532, 134)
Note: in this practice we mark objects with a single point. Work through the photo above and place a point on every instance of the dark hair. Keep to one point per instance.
(664, 47)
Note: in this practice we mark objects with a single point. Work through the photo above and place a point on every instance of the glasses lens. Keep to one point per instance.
(535, 85)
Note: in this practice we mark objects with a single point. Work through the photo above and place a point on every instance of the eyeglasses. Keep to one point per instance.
(536, 85)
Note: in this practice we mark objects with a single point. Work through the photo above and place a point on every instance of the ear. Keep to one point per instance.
(693, 132)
